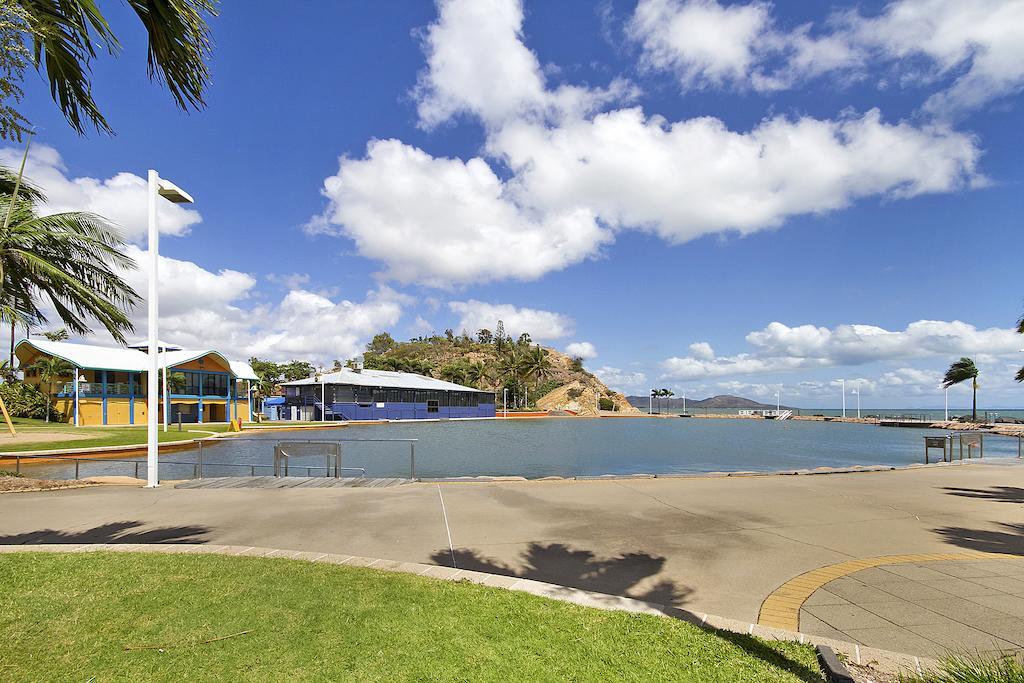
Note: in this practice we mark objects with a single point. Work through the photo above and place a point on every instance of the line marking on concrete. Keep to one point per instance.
(781, 609)
(447, 528)
(320, 557)
(750, 631)
(704, 618)
(856, 648)
(917, 663)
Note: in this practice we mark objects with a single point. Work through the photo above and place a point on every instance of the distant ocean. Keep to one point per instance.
(851, 411)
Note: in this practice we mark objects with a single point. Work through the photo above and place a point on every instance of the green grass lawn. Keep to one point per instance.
(96, 436)
(88, 616)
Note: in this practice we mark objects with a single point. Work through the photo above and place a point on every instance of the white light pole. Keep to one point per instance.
(173, 193)
(684, 402)
(844, 397)
(857, 391)
(946, 392)
(504, 402)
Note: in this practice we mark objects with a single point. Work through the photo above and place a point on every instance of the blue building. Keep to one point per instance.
(382, 395)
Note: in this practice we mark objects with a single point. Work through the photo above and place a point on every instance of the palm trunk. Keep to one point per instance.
(974, 401)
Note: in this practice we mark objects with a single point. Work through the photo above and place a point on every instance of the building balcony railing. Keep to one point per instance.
(119, 389)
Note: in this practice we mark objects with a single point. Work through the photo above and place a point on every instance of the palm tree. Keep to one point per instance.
(476, 373)
(669, 394)
(70, 259)
(536, 363)
(1020, 330)
(65, 36)
(51, 369)
(961, 371)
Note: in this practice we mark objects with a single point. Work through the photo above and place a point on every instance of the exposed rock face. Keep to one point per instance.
(583, 398)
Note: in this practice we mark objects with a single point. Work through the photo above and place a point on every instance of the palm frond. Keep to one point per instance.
(960, 371)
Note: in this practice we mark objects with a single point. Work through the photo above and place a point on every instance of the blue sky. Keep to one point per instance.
(709, 197)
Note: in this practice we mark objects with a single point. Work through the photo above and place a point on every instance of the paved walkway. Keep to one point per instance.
(924, 608)
(714, 545)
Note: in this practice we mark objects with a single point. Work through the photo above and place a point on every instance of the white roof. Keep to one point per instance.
(129, 360)
(382, 378)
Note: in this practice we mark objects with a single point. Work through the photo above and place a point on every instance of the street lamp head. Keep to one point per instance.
(173, 193)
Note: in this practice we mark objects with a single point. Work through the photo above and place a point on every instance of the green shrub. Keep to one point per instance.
(546, 387)
(574, 393)
(606, 403)
(9, 473)
(24, 400)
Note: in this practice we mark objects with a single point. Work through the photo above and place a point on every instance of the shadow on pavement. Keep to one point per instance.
(1009, 541)
(1002, 494)
(559, 564)
(114, 532)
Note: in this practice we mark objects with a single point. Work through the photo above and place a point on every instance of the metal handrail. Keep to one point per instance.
(200, 463)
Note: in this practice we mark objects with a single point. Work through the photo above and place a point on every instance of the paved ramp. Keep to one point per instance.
(292, 482)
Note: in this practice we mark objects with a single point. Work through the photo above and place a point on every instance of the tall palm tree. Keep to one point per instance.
(961, 371)
(50, 370)
(669, 394)
(1020, 330)
(65, 36)
(536, 363)
(70, 259)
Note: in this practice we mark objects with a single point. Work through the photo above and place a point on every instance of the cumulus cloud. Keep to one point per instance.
(978, 44)
(779, 347)
(697, 177)
(583, 350)
(702, 351)
(441, 221)
(121, 199)
(539, 324)
(621, 380)
(477, 64)
(200, 308)
(553, 190)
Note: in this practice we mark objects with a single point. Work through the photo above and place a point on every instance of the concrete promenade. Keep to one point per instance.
(716, 545)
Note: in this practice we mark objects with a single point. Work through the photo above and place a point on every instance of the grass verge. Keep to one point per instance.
(134, 616)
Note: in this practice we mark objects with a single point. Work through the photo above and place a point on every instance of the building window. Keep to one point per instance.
(432, 406)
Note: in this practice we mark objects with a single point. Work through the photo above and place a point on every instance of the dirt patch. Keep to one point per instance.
(25, 484)
(41, 437)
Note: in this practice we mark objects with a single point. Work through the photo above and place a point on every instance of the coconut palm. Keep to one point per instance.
(669, 394)
(961, 371)
(476, 373)
(1020, 330)
(67, 260)
(536, 363)
(65, 35)
(50, 370)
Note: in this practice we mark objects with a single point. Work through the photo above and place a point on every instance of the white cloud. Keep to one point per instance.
(695, 177)
(583, 350)
(621, 380)
(539, 324)
(477, 64)
(702, 351)
(555, 189)
(441, 222)
(780, 348)
(703, 42)
(121, 199)
(289, 280)
(204, 309)
(979, 44)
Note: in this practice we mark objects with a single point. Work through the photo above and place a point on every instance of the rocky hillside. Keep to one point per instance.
(534, 376)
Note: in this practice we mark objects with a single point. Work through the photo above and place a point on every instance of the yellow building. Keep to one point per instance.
(108, 385)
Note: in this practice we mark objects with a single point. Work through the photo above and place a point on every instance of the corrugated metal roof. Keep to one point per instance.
(383, 378)
(127, 360)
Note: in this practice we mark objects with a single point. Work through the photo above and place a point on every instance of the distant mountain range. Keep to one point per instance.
(722, 401)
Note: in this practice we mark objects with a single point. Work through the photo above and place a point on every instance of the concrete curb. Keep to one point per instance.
(881, 659)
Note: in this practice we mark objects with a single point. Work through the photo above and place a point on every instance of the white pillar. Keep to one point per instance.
(684, 403)
(323, 402)
(844, 396)
(947, 403)
(152, 397)
(77, 375)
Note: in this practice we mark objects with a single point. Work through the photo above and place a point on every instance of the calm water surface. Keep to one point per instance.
(539, 448)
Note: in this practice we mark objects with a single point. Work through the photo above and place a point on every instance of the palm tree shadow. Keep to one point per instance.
(114, 532)
(1010, 541)
(1001, 494)
(618, 576)
(559, 564)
